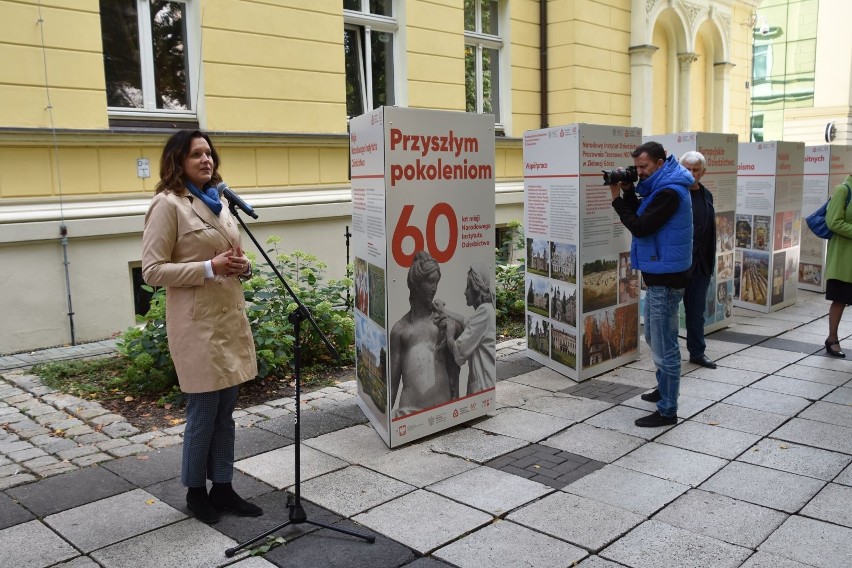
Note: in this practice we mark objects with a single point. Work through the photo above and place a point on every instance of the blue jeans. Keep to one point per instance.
(695, 304)
(661, 307)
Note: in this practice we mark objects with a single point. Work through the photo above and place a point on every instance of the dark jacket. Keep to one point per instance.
(704, 234)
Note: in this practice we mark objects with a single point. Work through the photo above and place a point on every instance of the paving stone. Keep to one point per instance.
(111, 444)
(25, 455)
(40, 462)
(742, 362)
(120, 429)
(14, 445)
(722, 518)
(277, 468)
(795, 387)
(313, 423)
(545, 465)
(94, 525)
(544, 378)
(249, 420)
(845, 477)
(572, 408)
(673, 548)
(768, 401)
(831, 505)
(780, 355)
(674, 464)
(516, 394)
(605, 391)
(11, 513)
(253, 441)
(627, 489)
(55, 469)
(343, 491)
(129, 450)
(91, 459)
(593, 524)
(356, 444)
(417, 465)
(707, 389)
(15, 480)
(79, 562)
(706, 439)
(79, 430)
(594, 443)
(794, 458)
(490, 490)
(765, 560)
(188, 544)
(508, 544)
(145, 437)
(780, 490)
(811, 542)
(687, 406)
(523, 424)
(52, 418)
(622, 418)
(58, 445)
(475, 445)
(69, 490)
(165, 442)
(93, 438)
(640, 378)
(816, 374)
(829, 412)
(175, 430)
(841, 395)
(430, 562)
(740, 418)
(88, 411)
(402, 520)
(18, 549)
(823, 361)
(817, 434)
(331, 549)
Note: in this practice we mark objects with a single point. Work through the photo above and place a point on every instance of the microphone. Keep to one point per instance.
(235, 199)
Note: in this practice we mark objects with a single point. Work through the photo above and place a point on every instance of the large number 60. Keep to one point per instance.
(403, 230)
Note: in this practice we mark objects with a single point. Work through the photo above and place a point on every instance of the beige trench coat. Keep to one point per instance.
(209, 335)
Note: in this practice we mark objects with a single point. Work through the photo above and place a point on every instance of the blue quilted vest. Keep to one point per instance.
(669, 250)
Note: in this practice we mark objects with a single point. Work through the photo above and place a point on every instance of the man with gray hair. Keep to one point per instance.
(703, 259)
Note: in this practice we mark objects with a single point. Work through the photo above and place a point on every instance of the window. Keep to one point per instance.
(147, 57)
(368, 41)
(762, 63)
(483, 45)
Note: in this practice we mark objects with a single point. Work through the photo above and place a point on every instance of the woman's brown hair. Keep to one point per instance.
(174, 154)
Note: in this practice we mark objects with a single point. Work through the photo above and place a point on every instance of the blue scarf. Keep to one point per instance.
(210, 196)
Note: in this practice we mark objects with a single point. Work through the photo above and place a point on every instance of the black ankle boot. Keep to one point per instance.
(224, 498)
(199, 504)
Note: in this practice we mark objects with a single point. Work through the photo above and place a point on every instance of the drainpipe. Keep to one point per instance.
(542, 40)
(63, 233)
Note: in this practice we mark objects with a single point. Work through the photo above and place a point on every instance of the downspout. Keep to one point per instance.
(542, 40)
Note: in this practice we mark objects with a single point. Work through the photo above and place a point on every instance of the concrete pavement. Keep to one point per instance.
(755, 474)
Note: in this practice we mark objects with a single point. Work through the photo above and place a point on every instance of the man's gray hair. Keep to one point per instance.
(693, 157)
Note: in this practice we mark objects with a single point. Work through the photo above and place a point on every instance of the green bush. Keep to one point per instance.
(509, 281)
(269, 306)
(150, 366)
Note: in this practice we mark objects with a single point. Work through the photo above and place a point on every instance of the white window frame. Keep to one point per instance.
(146, 62)
(353, 20)
(482, 41)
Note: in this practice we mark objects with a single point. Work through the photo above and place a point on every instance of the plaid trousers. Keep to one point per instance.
(208, 440)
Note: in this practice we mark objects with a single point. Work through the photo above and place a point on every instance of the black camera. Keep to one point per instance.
(628, 175)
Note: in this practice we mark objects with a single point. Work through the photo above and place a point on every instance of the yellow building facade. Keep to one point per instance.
(91, 89)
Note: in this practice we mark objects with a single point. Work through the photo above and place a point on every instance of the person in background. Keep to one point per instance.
(838, 263)
(661, 225)
(703, 259)
(191, 245)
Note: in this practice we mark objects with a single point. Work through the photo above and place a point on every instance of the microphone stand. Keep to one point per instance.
(297, 316)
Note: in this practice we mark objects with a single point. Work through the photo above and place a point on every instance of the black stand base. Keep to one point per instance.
(297, 516)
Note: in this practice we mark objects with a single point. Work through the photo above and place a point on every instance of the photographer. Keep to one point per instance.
(661, 225)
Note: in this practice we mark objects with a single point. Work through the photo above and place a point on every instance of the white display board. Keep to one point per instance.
(582, 293)
(825, 168)
(422, 221)
(720, 152)
(768, 224)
